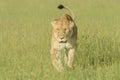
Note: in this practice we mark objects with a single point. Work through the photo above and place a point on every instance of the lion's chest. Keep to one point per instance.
(64, 45)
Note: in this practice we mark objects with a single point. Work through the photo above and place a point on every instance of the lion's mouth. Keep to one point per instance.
(63, 42)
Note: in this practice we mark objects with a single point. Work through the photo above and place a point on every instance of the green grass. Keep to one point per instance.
(25, 33)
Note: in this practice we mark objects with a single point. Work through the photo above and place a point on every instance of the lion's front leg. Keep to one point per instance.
(56, 59)
(66, 57)
(71, 53)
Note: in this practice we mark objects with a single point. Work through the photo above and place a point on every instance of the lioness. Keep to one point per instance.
(64, 36)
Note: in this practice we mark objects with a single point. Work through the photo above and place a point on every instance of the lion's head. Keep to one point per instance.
(63, 28)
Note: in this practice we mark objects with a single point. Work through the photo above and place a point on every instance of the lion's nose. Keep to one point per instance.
(61, 37)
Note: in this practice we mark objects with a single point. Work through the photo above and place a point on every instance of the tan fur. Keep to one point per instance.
(64, 36)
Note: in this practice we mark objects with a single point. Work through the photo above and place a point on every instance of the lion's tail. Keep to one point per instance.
(63, 7)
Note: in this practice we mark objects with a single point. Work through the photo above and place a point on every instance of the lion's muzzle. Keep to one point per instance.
(63, 42)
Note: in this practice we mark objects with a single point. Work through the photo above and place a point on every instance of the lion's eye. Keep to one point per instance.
(57, 29)
(65, 29)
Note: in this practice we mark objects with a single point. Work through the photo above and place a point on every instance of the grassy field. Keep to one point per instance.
(25, 33)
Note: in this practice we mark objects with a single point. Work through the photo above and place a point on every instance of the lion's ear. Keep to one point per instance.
(71, 24)
(53, 22)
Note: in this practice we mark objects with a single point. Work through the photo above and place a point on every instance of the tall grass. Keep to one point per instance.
(25, 33)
